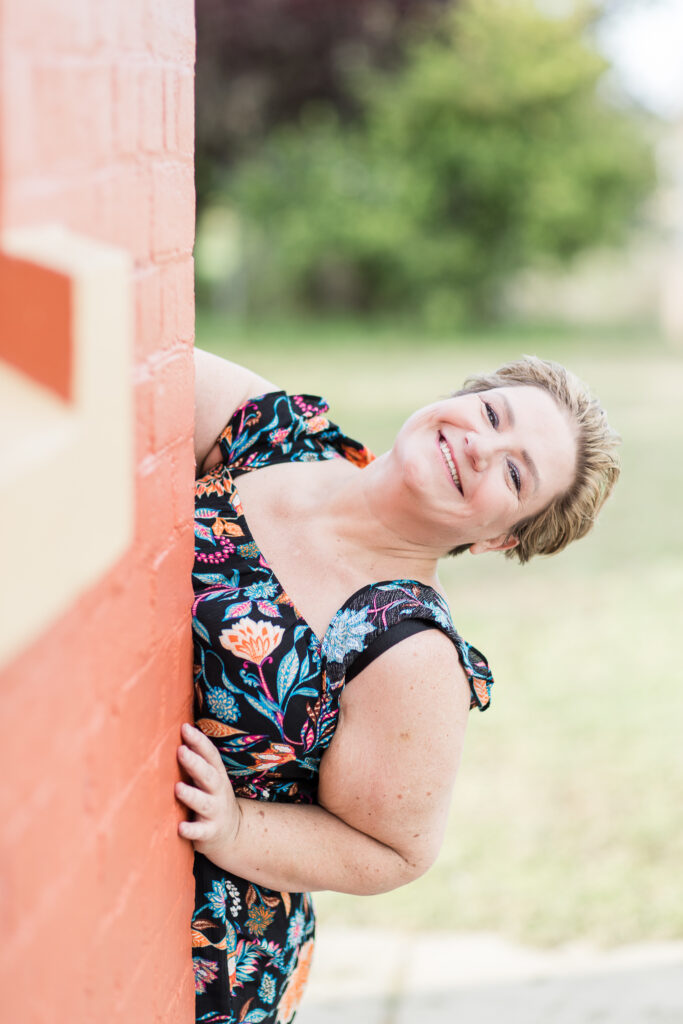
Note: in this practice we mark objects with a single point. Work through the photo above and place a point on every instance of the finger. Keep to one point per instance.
(203, 774)
(196, 799)
(196, 739)
(197, 831)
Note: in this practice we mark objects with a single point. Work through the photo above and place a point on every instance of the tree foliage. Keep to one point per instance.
(260, 62)
(492, 148)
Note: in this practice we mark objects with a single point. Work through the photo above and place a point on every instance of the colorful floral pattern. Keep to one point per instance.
(267, 693)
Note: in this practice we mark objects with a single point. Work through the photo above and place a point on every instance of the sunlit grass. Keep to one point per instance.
(566, 820)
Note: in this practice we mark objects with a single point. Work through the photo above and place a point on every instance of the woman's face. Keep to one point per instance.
(481, 462)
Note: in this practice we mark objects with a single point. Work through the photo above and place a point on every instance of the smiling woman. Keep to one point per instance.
(331, 686)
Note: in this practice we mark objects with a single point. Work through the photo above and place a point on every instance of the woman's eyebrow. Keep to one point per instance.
(508, 409)
(530, 464)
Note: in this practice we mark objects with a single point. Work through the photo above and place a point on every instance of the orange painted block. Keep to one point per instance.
(125, 204)
(115, 952)
(173, 398)
(178, 300)
(182, 456)
(173, 215)
(172, 588)
(54, 835)
(144, 418)
(151, 110)
(149, 334)
(125, 109)
(170, 30)
(72, 109)
(185, 128)
(122, 851)
(102, 96)
(155, 518)
(121, 627)
(36, 336)
(178, 690)
(111, 776)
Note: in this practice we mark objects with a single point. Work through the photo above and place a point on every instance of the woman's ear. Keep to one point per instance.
(503, 542)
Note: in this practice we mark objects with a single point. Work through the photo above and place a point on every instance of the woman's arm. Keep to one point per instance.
(385, 785)
(220, 387)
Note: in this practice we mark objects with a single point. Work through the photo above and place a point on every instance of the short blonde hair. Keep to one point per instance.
(572, 514)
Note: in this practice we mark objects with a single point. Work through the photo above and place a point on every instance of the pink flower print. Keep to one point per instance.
(316, 424)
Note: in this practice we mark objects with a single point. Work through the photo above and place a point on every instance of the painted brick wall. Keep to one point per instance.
(96, 133)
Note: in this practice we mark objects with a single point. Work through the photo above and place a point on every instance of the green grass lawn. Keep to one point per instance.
(566, 819)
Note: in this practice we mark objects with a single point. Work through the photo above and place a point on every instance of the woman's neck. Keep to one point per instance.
(358, 508)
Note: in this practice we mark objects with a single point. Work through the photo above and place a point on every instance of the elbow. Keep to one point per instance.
(402, 869)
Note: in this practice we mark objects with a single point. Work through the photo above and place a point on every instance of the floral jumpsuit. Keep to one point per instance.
(267, 693)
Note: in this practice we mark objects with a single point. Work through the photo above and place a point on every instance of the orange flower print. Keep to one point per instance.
(316, 424)
(480, 689)
(223, 527)
(295, 989)
(251, 640)
(360, 457)
(259, 919)
(277, 753)
(213, 483)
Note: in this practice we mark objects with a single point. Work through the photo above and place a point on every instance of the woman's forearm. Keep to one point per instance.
(303, 848)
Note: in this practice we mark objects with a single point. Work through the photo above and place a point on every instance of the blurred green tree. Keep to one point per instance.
(493, 147)
(260, 62)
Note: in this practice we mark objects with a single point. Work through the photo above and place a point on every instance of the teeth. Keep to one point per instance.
(451, 465)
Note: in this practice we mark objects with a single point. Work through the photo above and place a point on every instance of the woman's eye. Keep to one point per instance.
(492, 415)
(515, 477)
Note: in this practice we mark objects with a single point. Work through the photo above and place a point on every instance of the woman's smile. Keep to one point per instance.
(449, 461)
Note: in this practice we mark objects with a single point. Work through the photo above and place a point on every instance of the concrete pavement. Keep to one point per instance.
(389, 977)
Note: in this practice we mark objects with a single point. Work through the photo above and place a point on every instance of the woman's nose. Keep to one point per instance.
(478, 450)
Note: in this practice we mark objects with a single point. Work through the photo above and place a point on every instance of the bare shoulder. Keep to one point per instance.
(221, 387)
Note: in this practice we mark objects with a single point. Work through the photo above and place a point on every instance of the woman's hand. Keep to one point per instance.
(217, 813)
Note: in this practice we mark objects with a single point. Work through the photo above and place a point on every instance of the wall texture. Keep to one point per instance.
(96, 134)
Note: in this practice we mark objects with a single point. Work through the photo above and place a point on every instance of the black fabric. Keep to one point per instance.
(384, 641)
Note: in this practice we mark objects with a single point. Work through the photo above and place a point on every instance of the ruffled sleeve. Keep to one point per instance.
(278, 427)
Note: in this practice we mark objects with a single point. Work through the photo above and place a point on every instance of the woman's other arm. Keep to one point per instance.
(220, 387)
(385, 785)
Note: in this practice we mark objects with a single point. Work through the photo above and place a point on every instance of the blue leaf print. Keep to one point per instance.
(287, 673)
(260, 591)
(440, 615)
(346, 633)
(200, 630)
(265, 707)
(241, 742)
(300, 631)
(204, 533)
(210, 577)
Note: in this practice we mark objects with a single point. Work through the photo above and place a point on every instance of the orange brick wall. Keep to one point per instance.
(96, 133)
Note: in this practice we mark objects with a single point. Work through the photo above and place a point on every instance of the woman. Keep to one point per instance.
(331, 688)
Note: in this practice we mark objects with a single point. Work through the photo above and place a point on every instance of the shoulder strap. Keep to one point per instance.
(375, 609)
(389, 638)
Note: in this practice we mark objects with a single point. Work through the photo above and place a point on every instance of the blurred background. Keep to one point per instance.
(392, 194)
